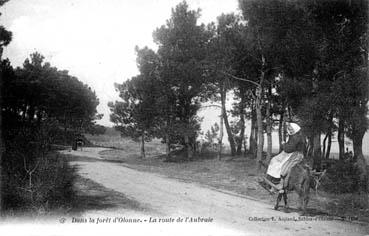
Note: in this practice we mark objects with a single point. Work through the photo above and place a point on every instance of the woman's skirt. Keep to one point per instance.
(282, 163)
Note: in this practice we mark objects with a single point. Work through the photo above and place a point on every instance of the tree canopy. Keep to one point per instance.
(301, 61)
(38, 93)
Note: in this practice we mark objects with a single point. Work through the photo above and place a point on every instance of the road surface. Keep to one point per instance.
(166, 198)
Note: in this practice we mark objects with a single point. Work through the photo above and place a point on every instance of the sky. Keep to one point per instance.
(93, 39)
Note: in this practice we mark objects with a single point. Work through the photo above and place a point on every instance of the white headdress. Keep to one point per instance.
(293, 128)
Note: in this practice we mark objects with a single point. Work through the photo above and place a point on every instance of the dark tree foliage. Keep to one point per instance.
(96, 129)
(40, 104)
(38, 93)
(304, 61)
(182, 52)
(136, 115)
(226, 49)
(318, 52)
(278, 46)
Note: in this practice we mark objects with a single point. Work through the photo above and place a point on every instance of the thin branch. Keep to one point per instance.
(238, 78)
(37, 164)
(25, 165)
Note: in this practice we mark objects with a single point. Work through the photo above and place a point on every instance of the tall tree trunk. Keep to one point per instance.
(244, 147)
(259, 119)
(262, 142)
(167, 139)
(189, 147)
(341, 139)
(329, 137)
(194, 145)
(220, 139)
(143, 145)
(317, 151)
(242, 121)
(226, 124)
(269, 132)
(186, 119)
(280, 131)
(253, 138)
(269, 125)
(310, 149)
(329, 145)
(242, 136)
(167, 146)
(360, 160)
(325, 145)
(188, 144)
(258, 101)
(65, 130)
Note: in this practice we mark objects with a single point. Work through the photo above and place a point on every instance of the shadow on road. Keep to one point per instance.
(91, 196)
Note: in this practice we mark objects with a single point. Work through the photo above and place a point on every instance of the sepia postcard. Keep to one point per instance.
(184, 117)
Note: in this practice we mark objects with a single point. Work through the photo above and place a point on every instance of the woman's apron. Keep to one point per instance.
(276, 164)
(281, 164)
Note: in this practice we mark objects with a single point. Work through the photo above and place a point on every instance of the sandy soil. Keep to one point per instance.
(232, 214)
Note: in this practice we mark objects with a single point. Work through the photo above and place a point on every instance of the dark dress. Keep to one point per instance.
(296, 143)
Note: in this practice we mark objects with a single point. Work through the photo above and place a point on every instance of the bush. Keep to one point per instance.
(179, 155)
(49, 187)
(341, 177)
(34, 179)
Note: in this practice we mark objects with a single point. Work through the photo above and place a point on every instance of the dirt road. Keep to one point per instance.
(166, 198)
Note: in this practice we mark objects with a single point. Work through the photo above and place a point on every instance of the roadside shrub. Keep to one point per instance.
(350, 205)
(208, 147)
(342, 177)
(179, 155)
(53, 184)
(49, 187)
(35, 180)
(62, 137)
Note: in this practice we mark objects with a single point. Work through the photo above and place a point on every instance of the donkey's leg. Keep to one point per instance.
(305, 198)
(300, 200)
(304, 206)
(285, 199)
(278, 200)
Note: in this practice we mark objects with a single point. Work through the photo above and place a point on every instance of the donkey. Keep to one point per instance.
(298, 180)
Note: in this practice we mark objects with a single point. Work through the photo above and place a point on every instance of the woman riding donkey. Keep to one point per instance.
(287, 172)
(280, 166)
